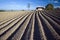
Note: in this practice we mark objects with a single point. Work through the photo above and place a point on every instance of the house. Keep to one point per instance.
(39, 8)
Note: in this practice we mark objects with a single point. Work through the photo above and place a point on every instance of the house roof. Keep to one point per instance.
(39, 7)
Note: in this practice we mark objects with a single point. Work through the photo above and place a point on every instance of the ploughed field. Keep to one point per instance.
(29, 25)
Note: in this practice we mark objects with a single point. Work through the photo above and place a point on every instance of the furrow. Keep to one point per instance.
(56, 36)
(12, 30)
(10, 25)
(21, 30)
(32, 30)
(42, 33)
(53, 23)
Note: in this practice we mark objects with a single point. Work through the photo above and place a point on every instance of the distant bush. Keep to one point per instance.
(49, 7)
(22, 10)
(57, 8)
(2, 10)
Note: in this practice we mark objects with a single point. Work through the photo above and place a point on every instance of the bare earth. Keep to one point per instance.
(9, 15)
(29, 25)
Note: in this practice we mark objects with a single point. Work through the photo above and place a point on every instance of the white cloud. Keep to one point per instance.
(56, 2)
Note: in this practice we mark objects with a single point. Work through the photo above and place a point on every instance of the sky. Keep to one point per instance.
(23, 4)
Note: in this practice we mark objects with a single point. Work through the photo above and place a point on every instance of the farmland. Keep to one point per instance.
(29, 25)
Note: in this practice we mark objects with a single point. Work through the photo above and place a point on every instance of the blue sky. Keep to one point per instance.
(22, 4)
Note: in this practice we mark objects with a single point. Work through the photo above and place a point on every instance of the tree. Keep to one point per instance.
(49, 7)
(28, 6)
(2, 10)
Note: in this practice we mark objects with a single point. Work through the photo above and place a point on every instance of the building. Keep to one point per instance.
(39, 8)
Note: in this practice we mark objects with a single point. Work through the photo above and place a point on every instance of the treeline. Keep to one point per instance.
(2, 10)
(51, 7)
